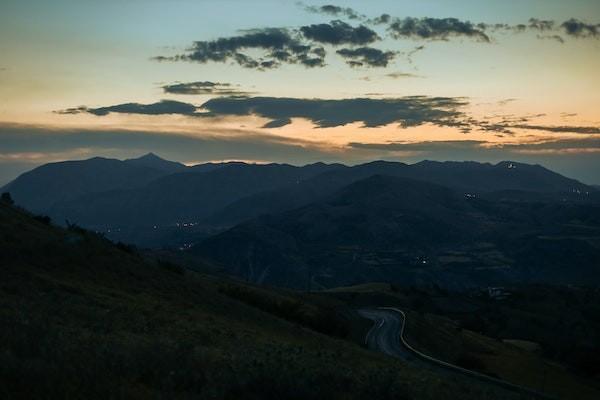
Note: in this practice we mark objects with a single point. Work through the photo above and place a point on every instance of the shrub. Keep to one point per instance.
(7, 198)
(127, 248)
(171, 267)
(44, 219)
(73, 227)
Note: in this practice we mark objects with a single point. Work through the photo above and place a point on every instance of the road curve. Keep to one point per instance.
(387, 336)
(385, 333)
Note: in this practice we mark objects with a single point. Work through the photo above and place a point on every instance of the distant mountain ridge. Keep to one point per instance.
(142, 193)
(40, 188)
(394, 229)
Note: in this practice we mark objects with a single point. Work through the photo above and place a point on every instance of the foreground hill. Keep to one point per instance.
(82, 318)
(392, 229)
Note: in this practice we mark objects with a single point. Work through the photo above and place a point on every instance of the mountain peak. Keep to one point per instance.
(150, 156)
(151, 160)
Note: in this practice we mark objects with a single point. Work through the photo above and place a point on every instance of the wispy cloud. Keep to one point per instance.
(436, 29)
(204, 88)
(400, 75)
(332, 10)
(590, 130)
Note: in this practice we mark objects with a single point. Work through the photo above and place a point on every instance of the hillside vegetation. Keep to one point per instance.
(544, 338)
(83, 318)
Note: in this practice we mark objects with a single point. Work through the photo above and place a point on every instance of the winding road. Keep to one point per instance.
(387, 336)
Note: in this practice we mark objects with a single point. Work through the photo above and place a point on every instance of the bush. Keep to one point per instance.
(73, 227)
(127, 248)
(7, 198)
(171, 267)
(44, 219)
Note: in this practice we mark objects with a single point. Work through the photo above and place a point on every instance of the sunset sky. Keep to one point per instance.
(300, 82)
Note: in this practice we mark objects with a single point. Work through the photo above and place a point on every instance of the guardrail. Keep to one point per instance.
(477, 375)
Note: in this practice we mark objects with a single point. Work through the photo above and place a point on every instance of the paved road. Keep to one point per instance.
(384, 336)
(387, 336)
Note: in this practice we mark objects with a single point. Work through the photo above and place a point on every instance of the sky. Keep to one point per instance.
(301, 82)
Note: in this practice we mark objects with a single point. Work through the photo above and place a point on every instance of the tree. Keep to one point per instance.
(7, 198)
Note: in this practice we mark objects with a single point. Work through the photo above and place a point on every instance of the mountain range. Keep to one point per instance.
(453, 224)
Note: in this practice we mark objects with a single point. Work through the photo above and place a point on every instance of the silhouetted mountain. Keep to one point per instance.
(400, 230)
(527, 181)
(142, 200)
(181, 197)
(40, 188)
(153, 161)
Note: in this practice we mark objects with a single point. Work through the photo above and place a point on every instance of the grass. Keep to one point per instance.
(445, 339)
(444, 327)
(81, 317)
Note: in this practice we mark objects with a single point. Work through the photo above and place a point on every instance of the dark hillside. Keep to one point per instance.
(83, 318)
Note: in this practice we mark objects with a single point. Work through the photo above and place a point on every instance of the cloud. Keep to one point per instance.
(556, 38)
(579, 29)
(425, 146)
(504, 102)
(398, 75)
(541, 25)
(428, 28)
(406, 111)
(279, 45)
(336, 11)
(381, 20)
(366, 56)
(269, 48)
(42, 145)
(160, 108)
(204, 87)
(338, 33)
(590, 130)
(477, 149)
(410, 54)
(436, 29)
(561, 145)
(26, 146)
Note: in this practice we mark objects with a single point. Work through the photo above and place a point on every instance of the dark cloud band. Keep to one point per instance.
(204, 88)
(336, 11)
(405, 111)
(161, 108)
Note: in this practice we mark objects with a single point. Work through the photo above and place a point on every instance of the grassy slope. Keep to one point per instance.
(440, 336)
(81, 318)
(443, 338)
